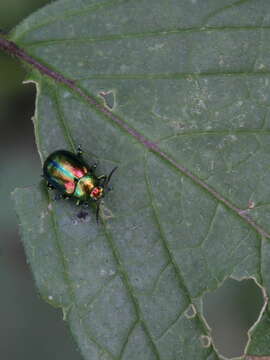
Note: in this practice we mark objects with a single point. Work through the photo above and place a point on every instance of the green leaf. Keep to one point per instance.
(185, 117)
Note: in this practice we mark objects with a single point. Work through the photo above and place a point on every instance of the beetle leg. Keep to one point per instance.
(110, 175)
(94, 166)
(50, 186)
(79, 151)
(58, 196)
(102, 180)
(101, 177)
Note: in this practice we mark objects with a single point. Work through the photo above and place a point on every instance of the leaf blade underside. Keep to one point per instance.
(197, 86)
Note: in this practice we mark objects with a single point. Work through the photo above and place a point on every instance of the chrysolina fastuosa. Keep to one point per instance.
(72, 177)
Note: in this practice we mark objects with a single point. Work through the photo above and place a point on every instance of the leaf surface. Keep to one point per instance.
(190, 205)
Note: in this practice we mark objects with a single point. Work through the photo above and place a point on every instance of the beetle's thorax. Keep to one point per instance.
(97, 192)
(85, 186)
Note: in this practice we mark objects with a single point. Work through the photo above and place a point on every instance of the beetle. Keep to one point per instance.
(72, 177)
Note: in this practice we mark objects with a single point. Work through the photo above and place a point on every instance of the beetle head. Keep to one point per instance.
(97, 193)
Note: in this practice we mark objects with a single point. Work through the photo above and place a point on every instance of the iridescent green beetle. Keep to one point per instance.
(72, 177)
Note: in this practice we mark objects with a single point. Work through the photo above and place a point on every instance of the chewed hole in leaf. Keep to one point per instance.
(230, 312)
(109, 98)
(205, 341)
(191, 312)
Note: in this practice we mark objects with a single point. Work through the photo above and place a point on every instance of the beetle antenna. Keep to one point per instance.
(110, 175)
(105, 185)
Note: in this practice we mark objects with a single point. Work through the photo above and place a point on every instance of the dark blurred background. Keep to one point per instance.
(30, 329)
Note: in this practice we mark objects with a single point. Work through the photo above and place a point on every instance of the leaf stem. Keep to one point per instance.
(11, 48)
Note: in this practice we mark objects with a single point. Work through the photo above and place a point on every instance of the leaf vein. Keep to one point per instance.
(126, 341)
(70, 13)
(174, 76)
(129, 288)
(67, 278)
(172, 324)
(146, 34)
(62, 121)
(98, 293)
(210, 227)
(242, 131)
(166, 247)
(224, 8)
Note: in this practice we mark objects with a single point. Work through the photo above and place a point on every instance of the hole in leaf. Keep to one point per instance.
(191, 311)
(205, 341)
(230, 312)
(108, 97)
